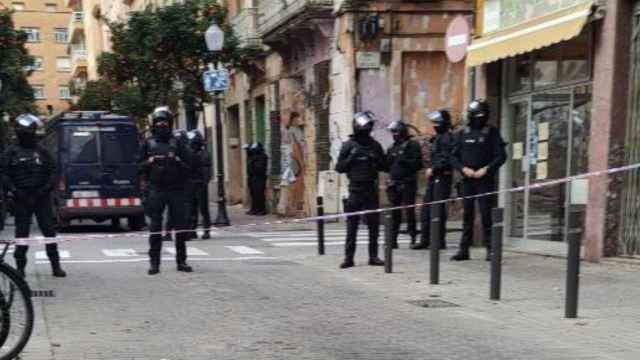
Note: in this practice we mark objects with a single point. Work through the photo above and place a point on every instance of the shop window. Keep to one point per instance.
(575, 59)
(520, 74)
(547, 67)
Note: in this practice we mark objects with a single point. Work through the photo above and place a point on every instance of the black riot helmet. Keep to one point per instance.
(441, 120)
(26, 126)
(478, 113)
(256, 148)
(196, 140)
(161, 122)
(363, 122)
(399, 130)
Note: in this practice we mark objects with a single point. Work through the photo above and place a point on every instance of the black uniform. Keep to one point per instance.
(30, 175)
(362, 158)
(200, 178)
(163, 165)
(257, 164)
(189, 190)
(442, 146)
(404, 159)
(477, 148)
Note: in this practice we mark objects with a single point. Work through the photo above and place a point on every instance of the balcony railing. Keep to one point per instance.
(78, 55)
(244, 27)
(76, 25)
(275, 13)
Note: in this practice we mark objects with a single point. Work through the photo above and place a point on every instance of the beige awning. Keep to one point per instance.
(534, 34)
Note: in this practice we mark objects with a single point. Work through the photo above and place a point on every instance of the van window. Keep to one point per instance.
(83, 147)
(119, 147)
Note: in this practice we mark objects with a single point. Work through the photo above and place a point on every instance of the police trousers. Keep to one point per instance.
(25, 209)
(402, 194)
(200, 205)
(444, 188)
(257, 188)
(175, 203)
(362, 199)
(471, 187)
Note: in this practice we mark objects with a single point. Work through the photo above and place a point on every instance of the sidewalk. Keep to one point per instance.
(532, 305)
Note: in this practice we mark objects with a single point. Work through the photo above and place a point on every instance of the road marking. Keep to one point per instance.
(119, 252)
(42, 255)
(244, 250)
(327, 243)
(191, 251)
(145, 259)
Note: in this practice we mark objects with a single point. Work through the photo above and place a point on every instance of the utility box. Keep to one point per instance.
(328, 189)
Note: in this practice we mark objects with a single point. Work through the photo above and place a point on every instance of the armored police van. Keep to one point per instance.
(96, 161)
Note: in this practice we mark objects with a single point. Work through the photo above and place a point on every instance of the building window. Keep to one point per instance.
(61, 35)
(38, 64)
(33, 34)
(17, 6)
(38, 92)
(63, 64)
(65, 92)
(51, 7)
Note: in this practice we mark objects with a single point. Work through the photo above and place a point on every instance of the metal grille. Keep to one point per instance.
(42, 293)
(276, 153)
(432, 303)
(321, 105)
(630, 237)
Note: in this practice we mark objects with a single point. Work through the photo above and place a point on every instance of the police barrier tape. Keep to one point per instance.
(48, 240)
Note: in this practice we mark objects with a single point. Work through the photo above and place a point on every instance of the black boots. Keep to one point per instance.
(347, 263)
(155, 265)
(461, 255)
(184, 267)
(206, 235)
(420, 246)
(54, 259)
(376, 262)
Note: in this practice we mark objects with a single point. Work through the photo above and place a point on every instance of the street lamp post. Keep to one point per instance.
(214, 38)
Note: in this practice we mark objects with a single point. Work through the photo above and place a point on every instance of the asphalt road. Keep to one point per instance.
(268, 295)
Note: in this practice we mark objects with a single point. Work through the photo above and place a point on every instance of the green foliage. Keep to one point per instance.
(159, 48)
(16, 95)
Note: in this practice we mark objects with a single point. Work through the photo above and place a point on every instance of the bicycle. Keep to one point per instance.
(16, 309)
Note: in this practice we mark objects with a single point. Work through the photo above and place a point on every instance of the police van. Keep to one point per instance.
(96, 155)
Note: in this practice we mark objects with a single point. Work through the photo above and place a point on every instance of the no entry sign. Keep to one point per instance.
(457, 39)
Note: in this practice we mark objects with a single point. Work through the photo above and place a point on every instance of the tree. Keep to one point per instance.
(16, 95)
(159, 48)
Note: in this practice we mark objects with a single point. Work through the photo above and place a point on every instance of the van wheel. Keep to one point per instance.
(136, 223)
(115, 223)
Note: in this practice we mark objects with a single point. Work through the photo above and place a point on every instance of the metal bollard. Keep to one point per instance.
(388, 246)
(320, 226)
(573, 269)
(496, 256)
(436, 211)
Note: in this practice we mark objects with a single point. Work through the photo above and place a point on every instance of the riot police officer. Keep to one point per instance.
(30, 175)
(404, 159)
(201, 176)
(181, 137)
(478, 154)
(257, 164)
(440, 172)
(361, 158)
(163, 162)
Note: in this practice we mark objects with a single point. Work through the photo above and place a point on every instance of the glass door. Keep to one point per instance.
(516, 205)
(548, 159)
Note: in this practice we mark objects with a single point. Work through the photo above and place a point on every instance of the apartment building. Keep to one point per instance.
(46, 23)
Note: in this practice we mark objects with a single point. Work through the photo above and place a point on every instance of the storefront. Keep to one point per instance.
(537, 60)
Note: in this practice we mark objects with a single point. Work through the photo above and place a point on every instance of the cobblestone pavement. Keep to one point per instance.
(250, 298)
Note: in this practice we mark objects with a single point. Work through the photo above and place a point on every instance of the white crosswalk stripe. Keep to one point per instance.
(191, 251)
(42, 255)
(244, 250)
(308, 238)
(119, 252)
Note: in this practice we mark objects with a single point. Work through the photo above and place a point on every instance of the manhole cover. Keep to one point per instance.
(432, 303)
(42, 293)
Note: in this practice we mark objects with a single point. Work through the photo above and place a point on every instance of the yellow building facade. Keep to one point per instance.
(46, 23)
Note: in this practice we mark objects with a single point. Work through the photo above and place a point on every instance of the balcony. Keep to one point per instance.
(72, 3)
(276, 17)
(244, 26)
(76, 25)
(78, 62)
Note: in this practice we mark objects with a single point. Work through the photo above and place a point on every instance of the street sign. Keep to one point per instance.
(457, 39)
(215, 80)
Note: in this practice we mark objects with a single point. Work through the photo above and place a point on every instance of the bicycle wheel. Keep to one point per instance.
(5, 319)
(16, 304)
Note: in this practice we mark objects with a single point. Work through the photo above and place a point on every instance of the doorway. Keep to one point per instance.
(549, 140)
(234, 153)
